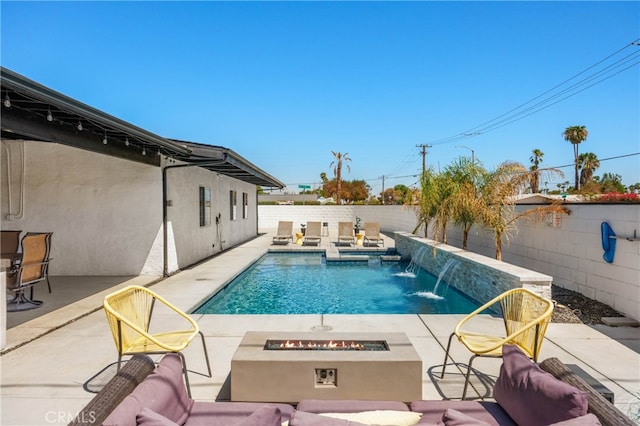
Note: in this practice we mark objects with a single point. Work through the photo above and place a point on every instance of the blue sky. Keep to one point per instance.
(285, 83)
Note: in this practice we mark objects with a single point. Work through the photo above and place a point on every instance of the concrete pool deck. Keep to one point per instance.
(43, 377)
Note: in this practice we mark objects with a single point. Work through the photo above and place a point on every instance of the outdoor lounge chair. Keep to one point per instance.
(372, 233)
(129, 316)
(526, 317)
(345, 233)
(313, 234)
(285, 232)
(27, 271)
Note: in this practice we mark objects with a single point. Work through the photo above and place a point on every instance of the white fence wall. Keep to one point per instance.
(571, 253)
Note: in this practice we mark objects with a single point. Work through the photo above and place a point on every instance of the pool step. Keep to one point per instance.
(333, 255)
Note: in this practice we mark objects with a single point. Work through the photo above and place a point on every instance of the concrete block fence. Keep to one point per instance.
(570, 252)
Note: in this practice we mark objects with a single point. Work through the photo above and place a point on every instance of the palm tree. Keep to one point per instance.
(575, 135)
(463, 203)
(498, 208)
(535, 159)
(427, 203)
(588, 163)
(337, 171)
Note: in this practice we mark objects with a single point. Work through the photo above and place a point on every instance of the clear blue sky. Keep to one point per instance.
(285, 83)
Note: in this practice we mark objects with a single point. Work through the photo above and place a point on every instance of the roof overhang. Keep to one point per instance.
(31, 111)
(227, 162)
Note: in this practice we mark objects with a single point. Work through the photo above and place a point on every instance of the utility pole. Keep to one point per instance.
(424, 155)
(382, 189)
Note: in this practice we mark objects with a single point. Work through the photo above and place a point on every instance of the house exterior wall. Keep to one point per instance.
(104, 212)
(191, 242)
(570, 253)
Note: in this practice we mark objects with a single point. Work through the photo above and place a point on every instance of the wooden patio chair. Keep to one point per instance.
(30, 269)
(526, 316)
(129, 313)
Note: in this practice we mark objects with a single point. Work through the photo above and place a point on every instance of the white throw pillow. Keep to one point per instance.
(379, 417)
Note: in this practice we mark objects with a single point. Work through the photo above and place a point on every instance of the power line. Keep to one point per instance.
(520, 112)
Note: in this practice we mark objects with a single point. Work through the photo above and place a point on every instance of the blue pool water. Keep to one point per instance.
(307, 284)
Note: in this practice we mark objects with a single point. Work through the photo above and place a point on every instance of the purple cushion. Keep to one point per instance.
(532, 396)
(269, 415)
(586, 420)
(453, 417)
(149, 417)
(163, 391)
(302, 418)
(348, 406)
(488, 412)
(210, 413)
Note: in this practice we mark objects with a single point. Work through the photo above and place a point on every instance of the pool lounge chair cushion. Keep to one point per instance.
(523, 389)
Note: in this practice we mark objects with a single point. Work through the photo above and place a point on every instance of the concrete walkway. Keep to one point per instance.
(42, 379)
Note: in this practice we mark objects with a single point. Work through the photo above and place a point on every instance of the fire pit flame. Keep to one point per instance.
(359, 345)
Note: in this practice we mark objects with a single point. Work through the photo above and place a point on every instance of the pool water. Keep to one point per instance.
(307, 284)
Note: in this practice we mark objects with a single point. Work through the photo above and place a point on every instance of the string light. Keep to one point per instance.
(7, 101)
(49, 116)
(126, 141)
(105, 141)
(79, 126)
(144, 151)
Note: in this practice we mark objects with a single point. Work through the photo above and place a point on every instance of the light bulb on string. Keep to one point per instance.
(7, 101)
(49, 115)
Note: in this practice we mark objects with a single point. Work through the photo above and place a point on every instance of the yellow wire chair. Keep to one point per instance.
(526, 316)
(129, 313)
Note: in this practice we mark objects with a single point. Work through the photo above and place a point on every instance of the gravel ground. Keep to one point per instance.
(573, 307)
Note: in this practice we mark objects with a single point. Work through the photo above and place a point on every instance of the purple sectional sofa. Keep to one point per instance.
(142, 394)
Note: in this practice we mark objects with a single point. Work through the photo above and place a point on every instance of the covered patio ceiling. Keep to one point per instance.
(31, 111)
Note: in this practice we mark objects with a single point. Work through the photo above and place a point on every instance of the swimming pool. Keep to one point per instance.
(307, 284)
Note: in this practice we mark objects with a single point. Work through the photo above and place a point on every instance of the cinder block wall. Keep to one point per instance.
(570, 253)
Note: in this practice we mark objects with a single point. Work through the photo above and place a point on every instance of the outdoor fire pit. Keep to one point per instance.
(289, 367)
(326, 345)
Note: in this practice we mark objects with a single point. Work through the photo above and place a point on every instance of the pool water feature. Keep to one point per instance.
(306, 284)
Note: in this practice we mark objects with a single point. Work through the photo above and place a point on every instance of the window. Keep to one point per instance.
(233, 202)
(245, 205)
(205, 206)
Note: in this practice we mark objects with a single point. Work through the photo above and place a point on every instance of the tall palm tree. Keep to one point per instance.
(575, 135)
(588, 163)
(337, 164)
(535, 159)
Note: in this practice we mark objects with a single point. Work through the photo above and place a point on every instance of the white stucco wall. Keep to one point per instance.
(191, 242)
(104, 212)
(571, 253)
